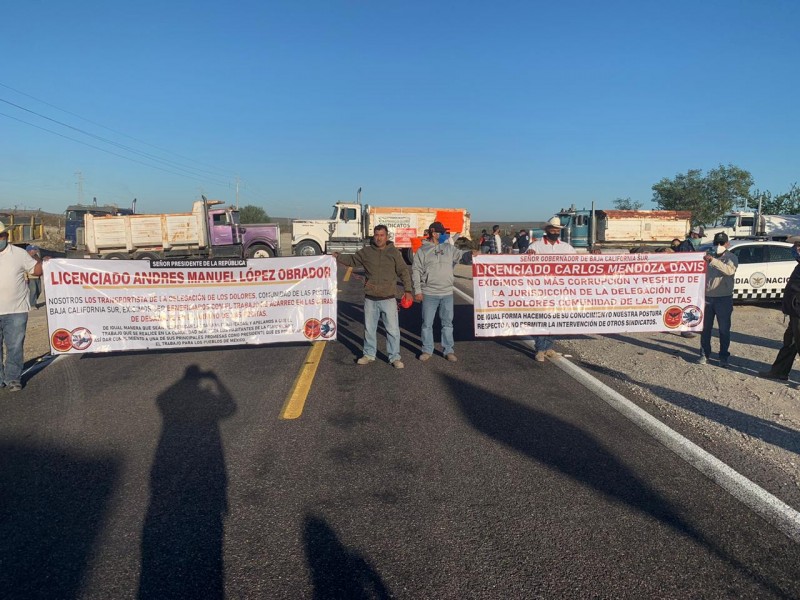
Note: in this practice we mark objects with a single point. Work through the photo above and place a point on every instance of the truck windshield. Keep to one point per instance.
(730, 221)
(335, 214)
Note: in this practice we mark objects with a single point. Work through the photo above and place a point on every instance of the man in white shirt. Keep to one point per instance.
(550, 243)
(14, 306)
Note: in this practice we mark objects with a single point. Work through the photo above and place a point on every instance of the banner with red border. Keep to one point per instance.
(113, 305)
(585, 294)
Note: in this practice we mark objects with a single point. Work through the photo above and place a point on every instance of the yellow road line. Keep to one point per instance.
(296, 400)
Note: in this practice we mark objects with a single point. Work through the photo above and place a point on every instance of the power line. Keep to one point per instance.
(190, 176)
(169, 163)
(218, 170)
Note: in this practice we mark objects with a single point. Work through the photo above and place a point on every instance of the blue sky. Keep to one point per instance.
(510, 109)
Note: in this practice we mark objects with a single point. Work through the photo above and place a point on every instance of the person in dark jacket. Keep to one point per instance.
(691, 244)
(383, 265)
(522, 241)
(692, 241)
(791, 307)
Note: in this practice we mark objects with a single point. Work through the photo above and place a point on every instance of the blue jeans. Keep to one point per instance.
(543, 342)
(34, 287)
(387, 311)
(445, 306)
(12, 333)
(722, 309)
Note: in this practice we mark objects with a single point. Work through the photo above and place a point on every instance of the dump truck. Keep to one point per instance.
(73, 220)
(592, 229)
(209, 231)
(351, 224)
(22, 230)
(745, 224)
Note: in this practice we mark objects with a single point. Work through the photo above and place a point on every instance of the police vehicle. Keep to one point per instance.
(764, 269)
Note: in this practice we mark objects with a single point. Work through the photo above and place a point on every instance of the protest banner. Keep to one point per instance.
(563, 294)
(111, 305)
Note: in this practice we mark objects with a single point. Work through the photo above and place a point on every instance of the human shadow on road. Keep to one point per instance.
(575, 453)
(53, 503)
(183, 530)
(336, 571)
(763, 429)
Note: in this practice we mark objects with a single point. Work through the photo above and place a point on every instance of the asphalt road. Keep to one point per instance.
(170, 475)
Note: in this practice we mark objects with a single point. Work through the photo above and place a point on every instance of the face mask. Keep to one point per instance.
(796, 253)
(552, 236)
(443, 237)
(721, 250)
(3, 244)
(695, 242)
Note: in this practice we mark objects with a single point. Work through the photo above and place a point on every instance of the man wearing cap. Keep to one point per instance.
(34, 282)
(791, 307)
(721, 268)
(15, 263)
(433, 277)
(383, 265)
(692, 241)
(550, 243)
(691, 244)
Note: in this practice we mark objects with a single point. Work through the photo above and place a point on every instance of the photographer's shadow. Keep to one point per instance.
(183, 530)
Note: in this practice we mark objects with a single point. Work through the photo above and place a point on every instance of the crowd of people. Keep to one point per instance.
(431, 282)
(433, 279)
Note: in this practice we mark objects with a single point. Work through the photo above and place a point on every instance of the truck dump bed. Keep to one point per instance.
(621, 226)
(142, 232)
(406, 219)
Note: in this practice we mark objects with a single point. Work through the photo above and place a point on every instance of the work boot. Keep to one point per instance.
(424, 356)
(365, 360)
(539, 357)
(398, 364)
(452, 357)
(702, 360)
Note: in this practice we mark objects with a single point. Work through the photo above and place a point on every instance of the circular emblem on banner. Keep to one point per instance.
(757, 279)
(673, 317)
(312, 329)
(691, 316)
(61, 340)
(81, 338)
(327, 328)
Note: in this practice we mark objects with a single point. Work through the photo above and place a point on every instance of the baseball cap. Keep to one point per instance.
(30, 247)
(699, 231)
(437, 227)
(720, 239)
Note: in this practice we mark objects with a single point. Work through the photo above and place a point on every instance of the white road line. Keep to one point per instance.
(770, 508)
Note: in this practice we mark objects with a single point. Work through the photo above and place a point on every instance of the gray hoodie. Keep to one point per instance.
(432, 272)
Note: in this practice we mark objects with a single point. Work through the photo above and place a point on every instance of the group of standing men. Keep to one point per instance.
(432, 282)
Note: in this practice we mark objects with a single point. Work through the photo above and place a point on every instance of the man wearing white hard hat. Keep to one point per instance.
(15, 263)
(550, 243)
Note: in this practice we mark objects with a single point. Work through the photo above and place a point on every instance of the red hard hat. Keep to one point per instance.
(406, 301)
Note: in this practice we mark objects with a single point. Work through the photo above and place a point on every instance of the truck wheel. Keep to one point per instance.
(307, 248)
(408, 256)
(260, 251)
(117, 256)
(148, 256)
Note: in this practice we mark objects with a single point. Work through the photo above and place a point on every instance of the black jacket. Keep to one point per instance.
(791, 294)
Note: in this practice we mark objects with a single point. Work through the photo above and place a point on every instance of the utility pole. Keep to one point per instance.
(237, 192)
(80, 186)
